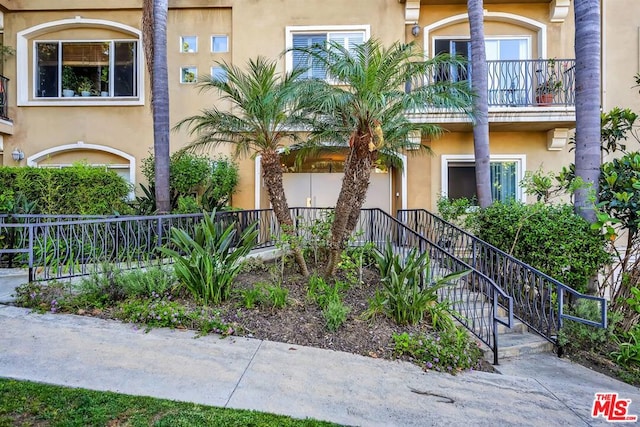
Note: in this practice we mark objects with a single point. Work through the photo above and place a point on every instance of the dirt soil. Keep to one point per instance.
(301, 322)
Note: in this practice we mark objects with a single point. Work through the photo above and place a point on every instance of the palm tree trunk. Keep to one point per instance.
(155, 16)
(588, 158)
(480, 85)
(357, 174)
(272, 175)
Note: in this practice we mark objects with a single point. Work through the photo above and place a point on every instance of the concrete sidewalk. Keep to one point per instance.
(294, 380)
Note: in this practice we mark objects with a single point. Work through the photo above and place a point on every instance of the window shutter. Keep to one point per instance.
(301, 60)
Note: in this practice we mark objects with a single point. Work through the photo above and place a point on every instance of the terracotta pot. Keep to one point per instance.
(544, 99)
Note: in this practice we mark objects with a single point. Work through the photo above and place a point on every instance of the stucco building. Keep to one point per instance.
(78, 89)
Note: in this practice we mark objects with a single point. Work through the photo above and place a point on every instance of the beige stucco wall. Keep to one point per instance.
(424, 172)
(258, 28)
(621, 57)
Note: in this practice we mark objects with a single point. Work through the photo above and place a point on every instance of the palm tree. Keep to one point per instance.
(481, 103)
(265, 112)
(588, 124)
(368, 109)
(154, 23)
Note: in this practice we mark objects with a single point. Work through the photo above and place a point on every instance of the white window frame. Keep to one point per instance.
(25, 69)
(217, 67)
(528, 38)
(213, 36)
(195, 72)
(316, 29)
(61, 42)
(182, 42)
(519, 159)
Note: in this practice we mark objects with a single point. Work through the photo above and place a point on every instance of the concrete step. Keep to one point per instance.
(516, 345)
(10, 278)
(517, 328)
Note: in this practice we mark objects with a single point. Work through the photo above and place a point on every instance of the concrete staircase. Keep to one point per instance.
(512, 342)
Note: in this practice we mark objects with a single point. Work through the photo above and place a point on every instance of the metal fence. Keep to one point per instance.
(68, 247)
(541, 302)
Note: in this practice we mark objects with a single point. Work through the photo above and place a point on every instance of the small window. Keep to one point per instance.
(188, 75)
(188, 44)
(219, 73)
(219, 44)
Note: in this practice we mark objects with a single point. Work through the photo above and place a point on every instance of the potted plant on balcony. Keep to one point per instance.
(69, 81)
(85, 86)
(550, 87)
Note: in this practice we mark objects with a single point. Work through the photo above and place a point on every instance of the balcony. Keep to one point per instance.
(536, 94)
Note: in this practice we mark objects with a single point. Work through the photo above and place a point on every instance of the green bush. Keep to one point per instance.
(212, 258)
(213, 180)
(78, 189)
(335, 314)
(404, 297)
(551, 238)
(450, 350)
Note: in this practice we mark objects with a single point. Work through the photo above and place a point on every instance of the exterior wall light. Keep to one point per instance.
(415, 30)
(17, 155)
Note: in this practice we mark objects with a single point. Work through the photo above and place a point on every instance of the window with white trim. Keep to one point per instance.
(106, 69)
(188, 44)
(459, 177)
(220, 44)
(219, 73)
(308, 38)
(188, 75)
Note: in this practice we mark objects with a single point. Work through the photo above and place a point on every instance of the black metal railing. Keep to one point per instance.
(517, 83)
(540, 301)
(68, 247)
(477, 302)
(4, 98)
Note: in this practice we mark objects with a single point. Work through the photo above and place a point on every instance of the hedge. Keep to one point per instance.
(79, 189)
(551, 238)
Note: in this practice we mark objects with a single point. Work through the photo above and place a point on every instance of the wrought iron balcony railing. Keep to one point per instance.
(519, 83)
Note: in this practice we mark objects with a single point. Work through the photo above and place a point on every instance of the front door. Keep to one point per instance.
(322, 189)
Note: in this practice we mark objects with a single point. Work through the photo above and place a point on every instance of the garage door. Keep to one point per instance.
(321, 190)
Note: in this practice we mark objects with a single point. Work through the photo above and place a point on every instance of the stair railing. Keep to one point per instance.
(477, 302)
(539, 300)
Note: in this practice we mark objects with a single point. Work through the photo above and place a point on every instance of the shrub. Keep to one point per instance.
(78, 189)
(154, 312)
(404, 297)
(550, 238)
(322, 292)
(212, 258)
(451, 350)
(335, 314)
(578, 336)
(189, 175)
(145, 283)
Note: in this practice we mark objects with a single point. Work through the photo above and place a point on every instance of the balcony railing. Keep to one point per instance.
(518, 83)
(4, 97)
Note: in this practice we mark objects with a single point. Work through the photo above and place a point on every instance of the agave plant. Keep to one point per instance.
(208, 262)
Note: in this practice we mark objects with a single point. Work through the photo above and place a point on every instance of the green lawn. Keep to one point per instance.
(24, 403)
